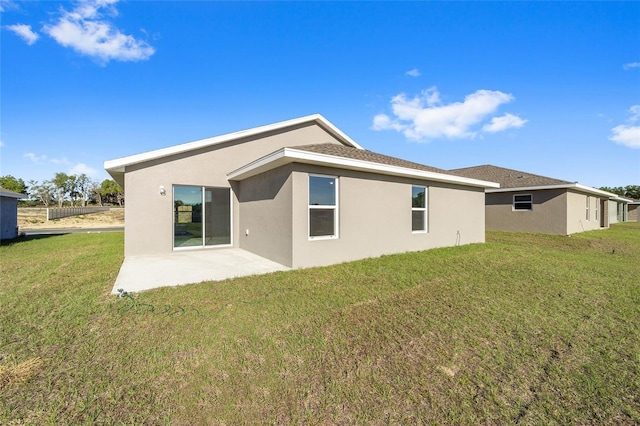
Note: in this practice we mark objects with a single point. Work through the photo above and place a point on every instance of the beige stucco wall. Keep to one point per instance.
(548, 215)
(265, 214)
(375, 217)
(577, 212)
(633, 213)
(149, 223)
(557, 211)
(618, 212)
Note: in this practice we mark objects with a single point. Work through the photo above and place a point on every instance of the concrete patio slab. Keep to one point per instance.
(139, 273)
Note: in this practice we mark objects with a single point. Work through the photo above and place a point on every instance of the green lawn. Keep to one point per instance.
(528, 329)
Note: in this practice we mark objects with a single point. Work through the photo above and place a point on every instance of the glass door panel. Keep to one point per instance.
(217, 216)
(187, 222)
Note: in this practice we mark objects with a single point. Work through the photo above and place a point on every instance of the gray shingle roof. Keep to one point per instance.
(507, 178)
(11, 194)
(365, 155)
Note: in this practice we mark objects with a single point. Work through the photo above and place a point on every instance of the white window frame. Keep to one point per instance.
(336, 211)
(513, 206)
(587, 208)
(202, 246)
(597, 216)
(425, 209)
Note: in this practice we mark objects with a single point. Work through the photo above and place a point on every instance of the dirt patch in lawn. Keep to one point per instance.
(29, 219)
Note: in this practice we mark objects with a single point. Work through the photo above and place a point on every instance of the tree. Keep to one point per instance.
(83, 185)
(61, 183)
(618, 190)
(72, 188)
(629, 191)
(12, 184)
(45, 192)
(112, 191)
(94, 189)
(632, 191)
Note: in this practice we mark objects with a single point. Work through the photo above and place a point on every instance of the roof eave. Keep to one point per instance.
(291, 155)
(10, 194)
(574, 186)
(119, 164)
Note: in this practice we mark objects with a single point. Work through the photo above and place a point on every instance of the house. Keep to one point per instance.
(633, 212)
(527, 202)
(9, 213)
(300, 193)
(618, 209)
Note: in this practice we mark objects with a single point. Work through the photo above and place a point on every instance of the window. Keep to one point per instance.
(418, 209)
(587, 211)
(523, 202)
(323, 207)
(596, 209)
(202, 216)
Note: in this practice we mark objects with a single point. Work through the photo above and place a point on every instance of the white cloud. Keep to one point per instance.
(81, 168)
(631, 65)
(25, 32)
(432, 96)
(1, 144)
(35, 158)
(62, 161)
(6, 5)
(425, 117)
(85, 30)
(628, 134)
(413, 73)
(505, 122)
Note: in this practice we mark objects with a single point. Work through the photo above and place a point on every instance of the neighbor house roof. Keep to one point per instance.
(511, 180)
(10, 194)
(344, 157)
(118, 165)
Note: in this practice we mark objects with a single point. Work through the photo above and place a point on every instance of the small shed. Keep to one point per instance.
(9, 214)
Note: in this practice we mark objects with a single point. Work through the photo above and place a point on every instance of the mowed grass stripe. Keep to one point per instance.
(523, 329)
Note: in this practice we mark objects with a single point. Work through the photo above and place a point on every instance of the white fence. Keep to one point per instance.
(59, 212)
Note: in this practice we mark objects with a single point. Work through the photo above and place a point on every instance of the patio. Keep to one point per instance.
(139, 273)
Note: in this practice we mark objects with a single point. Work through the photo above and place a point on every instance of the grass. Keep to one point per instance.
(528, 329)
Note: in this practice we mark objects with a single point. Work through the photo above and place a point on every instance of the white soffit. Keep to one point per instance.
(291, 155)
(119, 164)
(576, 186)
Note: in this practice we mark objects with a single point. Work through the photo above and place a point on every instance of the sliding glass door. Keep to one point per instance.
(202, 216)
(217, 208)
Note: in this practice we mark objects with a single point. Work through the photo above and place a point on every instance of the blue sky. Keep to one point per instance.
(545, 87)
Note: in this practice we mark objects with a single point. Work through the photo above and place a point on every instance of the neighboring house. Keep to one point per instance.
(633, 212)
(9, 213)
(298, 192)
(527, 202)
(618, 209)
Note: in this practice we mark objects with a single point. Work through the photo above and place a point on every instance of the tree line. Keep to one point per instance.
(64, 189)
(629, 191)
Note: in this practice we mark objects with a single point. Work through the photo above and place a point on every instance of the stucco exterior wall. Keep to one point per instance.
(619, 211)
(265, 214)
(633, 213)
(149, 223)
(375, 217)
(8, 218)
(577, 212)
(548, 215)
(613, 212)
